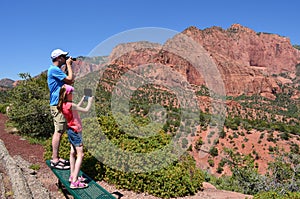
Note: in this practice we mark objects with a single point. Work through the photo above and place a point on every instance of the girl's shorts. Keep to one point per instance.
(75, 138)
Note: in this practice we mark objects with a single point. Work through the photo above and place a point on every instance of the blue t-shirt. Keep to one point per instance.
(55, 82)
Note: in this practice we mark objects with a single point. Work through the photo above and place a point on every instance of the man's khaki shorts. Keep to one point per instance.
(60, 123)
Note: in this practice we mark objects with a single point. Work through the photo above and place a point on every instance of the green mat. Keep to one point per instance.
(93, 191)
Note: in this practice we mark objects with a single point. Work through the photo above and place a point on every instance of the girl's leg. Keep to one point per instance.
(78, 162)
(72, 160)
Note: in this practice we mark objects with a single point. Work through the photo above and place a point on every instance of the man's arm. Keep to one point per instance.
(69, 79)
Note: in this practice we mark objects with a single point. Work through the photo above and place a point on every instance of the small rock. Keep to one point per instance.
(207, 185)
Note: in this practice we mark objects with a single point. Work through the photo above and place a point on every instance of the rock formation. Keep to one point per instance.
(245, 59)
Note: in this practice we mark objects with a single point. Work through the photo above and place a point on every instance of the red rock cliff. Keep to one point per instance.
(245, 59)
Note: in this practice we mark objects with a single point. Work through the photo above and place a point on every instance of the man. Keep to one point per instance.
(56, 78)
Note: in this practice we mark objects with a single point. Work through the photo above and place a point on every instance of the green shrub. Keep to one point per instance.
(4, 94)
(214, 151)
(64, 148)
(179, 178)
(222, 134)
(198, 144)
(275, 195)
(3, 108)
(295, 148)
(220, 169)
(211, 162)
(296, 46)
(284, 136)
(282, 176)
(298, 67)
(35, 167)
(30, 111)
(182, 178)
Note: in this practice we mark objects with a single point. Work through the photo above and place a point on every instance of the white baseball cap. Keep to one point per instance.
(58, 52)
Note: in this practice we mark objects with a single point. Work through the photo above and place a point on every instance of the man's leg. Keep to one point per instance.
(59, 128)
(55, 146)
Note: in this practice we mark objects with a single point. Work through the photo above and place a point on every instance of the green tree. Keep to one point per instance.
(284, 173)
(298, 70)
(244, 173)
(29, 101)
(296, 46)
(214, 151)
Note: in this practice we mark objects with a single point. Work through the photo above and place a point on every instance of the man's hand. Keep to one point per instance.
(69, 61)
(69, 79)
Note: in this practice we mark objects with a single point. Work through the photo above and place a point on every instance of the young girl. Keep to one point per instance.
(70, 111)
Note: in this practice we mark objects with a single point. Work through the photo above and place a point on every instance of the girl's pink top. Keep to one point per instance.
(72, 117)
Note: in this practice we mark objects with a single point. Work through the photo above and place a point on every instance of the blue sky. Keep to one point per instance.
(31, 29)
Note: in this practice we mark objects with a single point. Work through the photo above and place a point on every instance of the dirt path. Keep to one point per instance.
(16, 145)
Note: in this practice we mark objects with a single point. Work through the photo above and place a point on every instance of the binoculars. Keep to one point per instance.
(73, 59)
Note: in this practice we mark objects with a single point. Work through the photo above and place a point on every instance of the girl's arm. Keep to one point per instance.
(81, 109)
(80, 102)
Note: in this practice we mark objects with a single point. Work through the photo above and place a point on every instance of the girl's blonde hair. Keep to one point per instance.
(62, 98)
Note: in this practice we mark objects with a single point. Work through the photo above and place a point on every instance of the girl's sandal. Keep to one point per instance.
(80, 178)
(78, 185)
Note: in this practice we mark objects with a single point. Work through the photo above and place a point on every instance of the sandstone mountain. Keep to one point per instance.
(246, 60)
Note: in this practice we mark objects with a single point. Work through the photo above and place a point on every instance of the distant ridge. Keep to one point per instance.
(6, 83)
